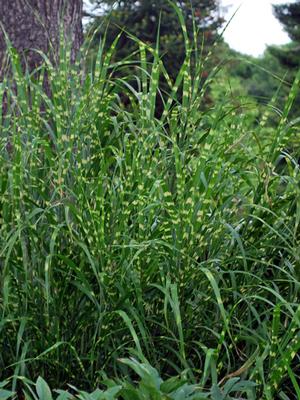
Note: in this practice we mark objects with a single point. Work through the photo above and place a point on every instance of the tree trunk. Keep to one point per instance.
(35, 24)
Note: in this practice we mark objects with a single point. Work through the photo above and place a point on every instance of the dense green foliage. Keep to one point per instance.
(260, 77)
(150, 386)
(173, 240)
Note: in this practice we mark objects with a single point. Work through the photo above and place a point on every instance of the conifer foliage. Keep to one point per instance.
(289, 16)
(142, 19)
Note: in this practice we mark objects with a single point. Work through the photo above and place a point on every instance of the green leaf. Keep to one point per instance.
(6, 394)
(43, 389)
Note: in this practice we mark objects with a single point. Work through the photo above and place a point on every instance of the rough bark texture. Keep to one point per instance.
(35, 24)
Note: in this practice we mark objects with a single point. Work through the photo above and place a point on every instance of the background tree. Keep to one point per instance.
(260, 78)
(273, 72)
(32, 24)
(289, 16)
(141, 18)
(289, 55)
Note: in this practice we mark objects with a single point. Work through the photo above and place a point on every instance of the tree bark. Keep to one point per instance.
(35, 24)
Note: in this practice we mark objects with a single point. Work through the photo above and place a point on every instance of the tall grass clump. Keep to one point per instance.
(173, 240)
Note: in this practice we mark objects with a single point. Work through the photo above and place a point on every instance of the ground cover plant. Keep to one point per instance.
(154, 258)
